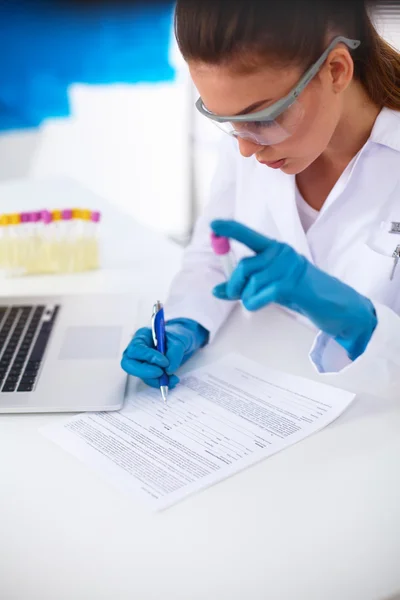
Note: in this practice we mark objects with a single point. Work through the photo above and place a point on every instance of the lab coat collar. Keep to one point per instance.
(386, 130)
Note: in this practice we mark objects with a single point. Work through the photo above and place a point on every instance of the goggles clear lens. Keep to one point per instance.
(268, 132)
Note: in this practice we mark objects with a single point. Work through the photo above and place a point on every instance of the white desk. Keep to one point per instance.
(319, 521)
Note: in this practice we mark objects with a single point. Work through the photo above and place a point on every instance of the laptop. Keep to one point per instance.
(62, 354)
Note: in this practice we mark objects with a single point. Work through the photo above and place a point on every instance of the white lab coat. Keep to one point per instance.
(350, 239)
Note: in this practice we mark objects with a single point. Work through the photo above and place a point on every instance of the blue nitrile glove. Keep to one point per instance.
(142, 360)
(277, 273)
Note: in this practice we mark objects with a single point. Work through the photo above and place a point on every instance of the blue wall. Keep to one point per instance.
(46, 46)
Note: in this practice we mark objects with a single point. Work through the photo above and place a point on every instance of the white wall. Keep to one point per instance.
(387, 18)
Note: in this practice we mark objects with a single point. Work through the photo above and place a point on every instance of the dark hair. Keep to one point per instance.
(247, 32)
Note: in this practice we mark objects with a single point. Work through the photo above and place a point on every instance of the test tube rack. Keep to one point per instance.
(49, 241)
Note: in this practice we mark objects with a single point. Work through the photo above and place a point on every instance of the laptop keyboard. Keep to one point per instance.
(24, 335)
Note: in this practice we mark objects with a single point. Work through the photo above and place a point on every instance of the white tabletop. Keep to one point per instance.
(320, 520)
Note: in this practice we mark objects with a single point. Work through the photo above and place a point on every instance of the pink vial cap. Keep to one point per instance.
(25, 217)
(95, 216)
(66, 214)
(33, 217)
(220, 244)
(46, 217)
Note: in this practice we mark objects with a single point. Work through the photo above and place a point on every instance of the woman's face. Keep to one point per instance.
(224, 91)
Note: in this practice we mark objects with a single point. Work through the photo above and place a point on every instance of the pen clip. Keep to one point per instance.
(156, 308)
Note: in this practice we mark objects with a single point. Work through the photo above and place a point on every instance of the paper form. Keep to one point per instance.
(221, 419)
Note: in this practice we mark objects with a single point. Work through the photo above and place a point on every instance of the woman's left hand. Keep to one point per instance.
(277, 273)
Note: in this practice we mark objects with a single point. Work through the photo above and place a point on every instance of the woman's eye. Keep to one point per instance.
(255, 126)
(260, 125)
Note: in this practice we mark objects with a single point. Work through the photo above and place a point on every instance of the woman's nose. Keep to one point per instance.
(247, 148)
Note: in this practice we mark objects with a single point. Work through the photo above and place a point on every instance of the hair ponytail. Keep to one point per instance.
(378, 68)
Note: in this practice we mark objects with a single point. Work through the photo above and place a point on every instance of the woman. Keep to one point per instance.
(308, 185)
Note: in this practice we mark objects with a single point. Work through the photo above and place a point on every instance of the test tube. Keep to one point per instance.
(86, 241)
(33, 248)
(66, 247)
(94, 258)
(23, 241)
(56, 241)
(45, 255)
(222, 249)
(78, 241)
(4, 240)
(15, 244)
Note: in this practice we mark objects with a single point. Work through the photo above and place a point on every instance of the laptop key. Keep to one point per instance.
(25, 387)
(28, 380)
(40, 344)
(34, 365)
(9, 387)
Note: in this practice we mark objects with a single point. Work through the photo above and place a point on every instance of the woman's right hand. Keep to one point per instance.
(183, 338)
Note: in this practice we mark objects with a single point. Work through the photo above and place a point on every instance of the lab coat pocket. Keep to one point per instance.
(378, 272)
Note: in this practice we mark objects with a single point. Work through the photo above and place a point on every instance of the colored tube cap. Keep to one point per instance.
(66, 214)
(220, 244)
(96, 216)
(33, 217)
(15, 219)
(76, 213)
(46, 216)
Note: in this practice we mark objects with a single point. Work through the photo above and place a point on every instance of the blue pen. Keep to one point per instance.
(158, 330)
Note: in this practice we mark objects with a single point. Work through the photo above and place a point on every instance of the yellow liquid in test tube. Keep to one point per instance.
(4, 236)
(94, 240)
(85, 253)
(15, 245)
(49, 241)
(77, 243)
(56, 242)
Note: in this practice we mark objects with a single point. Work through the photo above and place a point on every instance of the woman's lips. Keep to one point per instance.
(277, 164)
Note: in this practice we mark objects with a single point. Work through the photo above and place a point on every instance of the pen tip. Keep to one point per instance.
(164, 392)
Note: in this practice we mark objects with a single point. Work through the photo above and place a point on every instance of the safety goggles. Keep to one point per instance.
(279, 121)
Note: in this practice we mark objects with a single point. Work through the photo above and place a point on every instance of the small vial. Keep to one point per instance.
(45, 255)
(78, 239)
(66, 242)
(33, 242)
(222, 248)
(23, 241)
(4, 240)
(56, 240)
(15, 263)
(86, 240)
(94, 253)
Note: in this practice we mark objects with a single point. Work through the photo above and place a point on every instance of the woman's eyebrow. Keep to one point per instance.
(252, 107)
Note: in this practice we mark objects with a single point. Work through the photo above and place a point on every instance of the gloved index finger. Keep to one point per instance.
(236, 231)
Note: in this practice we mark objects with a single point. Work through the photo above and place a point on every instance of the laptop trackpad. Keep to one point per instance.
(91, 342)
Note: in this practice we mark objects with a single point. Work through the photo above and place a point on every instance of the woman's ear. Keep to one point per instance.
(341, 69)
